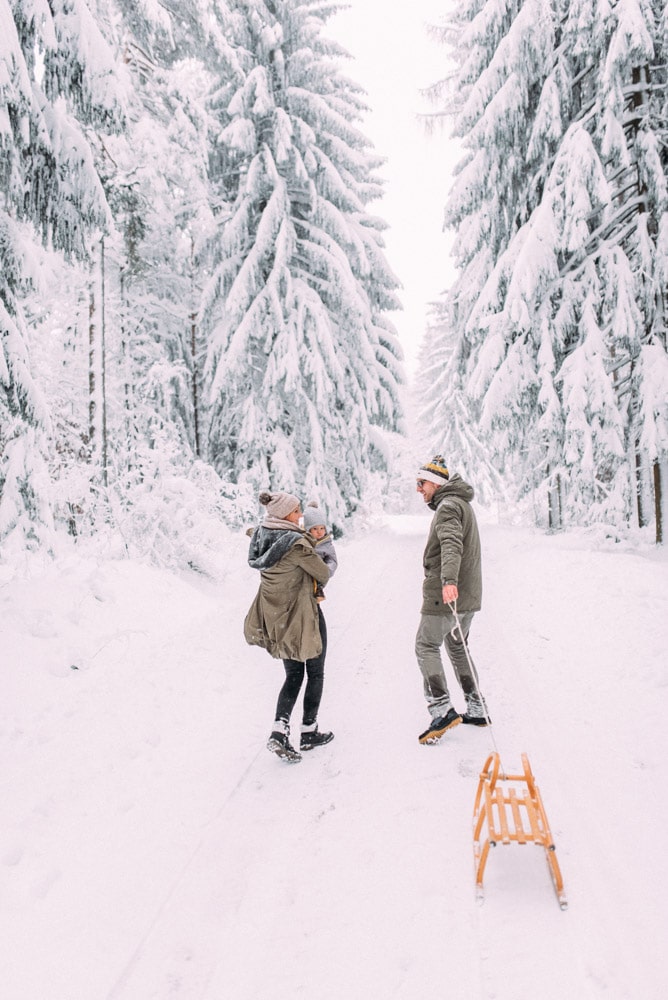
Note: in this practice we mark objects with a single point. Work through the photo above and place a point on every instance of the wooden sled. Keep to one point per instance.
(506, 813)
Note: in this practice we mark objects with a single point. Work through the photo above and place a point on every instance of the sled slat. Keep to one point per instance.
(520, 835)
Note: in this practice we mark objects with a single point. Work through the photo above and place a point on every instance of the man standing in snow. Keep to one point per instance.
(452, 582)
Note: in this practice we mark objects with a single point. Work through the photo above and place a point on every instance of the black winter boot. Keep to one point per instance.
(313, 738)
(439, 726)
(279, 744)
(475, 720)
(476, 713)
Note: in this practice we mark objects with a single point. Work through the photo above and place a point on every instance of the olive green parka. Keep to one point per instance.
(452, 553)
(283, 618)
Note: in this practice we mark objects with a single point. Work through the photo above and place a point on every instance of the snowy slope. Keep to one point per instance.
(152, 848)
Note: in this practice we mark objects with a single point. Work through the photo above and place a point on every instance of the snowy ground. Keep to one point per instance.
(151, 848)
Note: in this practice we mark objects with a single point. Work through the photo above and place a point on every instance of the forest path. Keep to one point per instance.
(154, 849)
(350, 874)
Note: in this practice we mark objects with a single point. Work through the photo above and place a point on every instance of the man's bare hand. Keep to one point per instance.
(450, 593)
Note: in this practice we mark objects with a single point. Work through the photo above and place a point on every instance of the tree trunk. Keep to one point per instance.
(193, 349)
(103, 372)
(658, 503)
(92, 405)
(640, 490)
(193, 352)
(553, 501)
(125, 361)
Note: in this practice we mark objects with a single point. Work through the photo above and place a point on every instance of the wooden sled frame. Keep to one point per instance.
(511, 814)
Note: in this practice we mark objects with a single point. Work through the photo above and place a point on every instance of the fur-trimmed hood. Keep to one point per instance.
(269, 545)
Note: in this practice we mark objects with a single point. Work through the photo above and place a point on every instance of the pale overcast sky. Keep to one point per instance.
(392, 59)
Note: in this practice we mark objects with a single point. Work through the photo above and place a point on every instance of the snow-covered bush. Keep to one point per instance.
(179, 520)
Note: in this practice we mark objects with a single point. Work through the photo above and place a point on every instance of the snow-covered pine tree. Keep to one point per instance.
(155, 177)
(25, 515)
(156, 174)
(646, 373)
(442, 409)
(23, 414)
(55, 77)
(558, 295)
(145, 272)
(503, 109)
(304, 365)
(608, 271)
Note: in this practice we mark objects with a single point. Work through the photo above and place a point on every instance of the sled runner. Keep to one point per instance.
(509, 809)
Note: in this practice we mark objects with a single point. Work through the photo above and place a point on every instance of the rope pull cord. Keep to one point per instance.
(458, 628)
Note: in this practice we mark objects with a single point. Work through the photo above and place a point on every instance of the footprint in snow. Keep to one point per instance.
(43, 884)
(467, 769)
(12, 855)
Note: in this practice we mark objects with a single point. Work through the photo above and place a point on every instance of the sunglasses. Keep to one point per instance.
(421, 482)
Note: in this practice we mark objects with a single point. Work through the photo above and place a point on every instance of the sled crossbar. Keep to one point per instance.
(509, 809)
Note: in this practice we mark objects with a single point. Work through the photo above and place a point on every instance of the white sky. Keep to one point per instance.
(392, 59)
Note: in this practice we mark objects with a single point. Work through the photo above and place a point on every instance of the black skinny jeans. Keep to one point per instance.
(294, 675)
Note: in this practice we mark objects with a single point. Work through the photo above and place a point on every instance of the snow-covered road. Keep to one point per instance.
(152, 848)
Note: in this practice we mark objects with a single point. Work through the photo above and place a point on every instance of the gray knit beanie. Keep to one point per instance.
(313, 516)
(279, 505)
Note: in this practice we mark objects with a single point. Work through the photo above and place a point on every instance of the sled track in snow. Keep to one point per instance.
(125, 976)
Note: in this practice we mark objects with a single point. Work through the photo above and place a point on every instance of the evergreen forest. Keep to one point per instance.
(195, 299)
